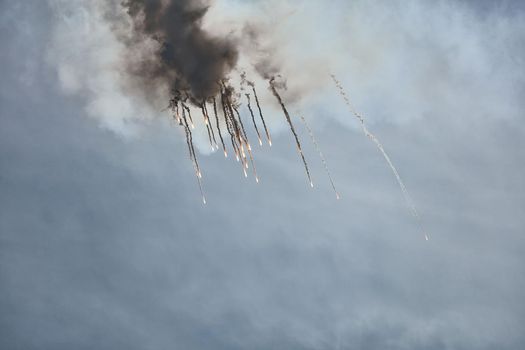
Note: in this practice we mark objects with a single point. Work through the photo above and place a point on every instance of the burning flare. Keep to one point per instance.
(289, 120)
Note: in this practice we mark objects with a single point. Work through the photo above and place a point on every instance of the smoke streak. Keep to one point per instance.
(253, 166)
(289, 120)
(193, 157)
(246, 141)
(208, 123)
(261, 114)
(190, 140)
(219, 127)
(318, 148)
(378, 144)
(229, 125)
(189, 114)
(207, 127)
(253, 119)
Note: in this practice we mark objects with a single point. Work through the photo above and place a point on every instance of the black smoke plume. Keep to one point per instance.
(190, 59)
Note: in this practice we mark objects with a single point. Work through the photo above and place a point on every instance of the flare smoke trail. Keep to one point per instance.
(321, 155)
(190, 140)
(208, 123)
(289, 120)
(253, 119)
(243, 129)
(378, 144)
(193, 157)
(207, 127)
(260, 113)
(219, 127)
(189, 114)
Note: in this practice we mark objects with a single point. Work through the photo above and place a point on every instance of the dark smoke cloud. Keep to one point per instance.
(190, 59)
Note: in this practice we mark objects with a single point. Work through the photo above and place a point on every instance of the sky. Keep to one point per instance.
(105, 243)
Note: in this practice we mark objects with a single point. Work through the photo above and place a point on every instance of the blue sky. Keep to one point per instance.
(104, 242)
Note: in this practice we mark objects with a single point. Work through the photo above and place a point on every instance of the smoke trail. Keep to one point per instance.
(246, 141)
(260, 113)
(190, 140)
(208, 123)
(378, 144)
(253, 119)
(318, 148)
(229, 125)
(193, 157)
(189, 114)
(253, 166)
(207, 127)
(219, 127)
(289, 120)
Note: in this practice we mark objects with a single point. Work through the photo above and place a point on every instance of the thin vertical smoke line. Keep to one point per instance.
(253, 119)
(209, 123)
(323, 160)
(219, 127)
(208, 129)
(406, 195)
(246, 141)
(261, 115)
(289, 120)
(189, 115)
(193, 158)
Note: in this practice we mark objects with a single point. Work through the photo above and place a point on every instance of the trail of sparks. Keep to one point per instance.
(246, 141)
(207, 127)
(287, 115)
(190, 140)
(378, 144)
(219, 127)
(253, 166)
(193, 157)
(318, 148)
(253, 119)
(243, 139)
(261, 114)
(238, 128)
(229, 124)
(189, 114)
(208, 123)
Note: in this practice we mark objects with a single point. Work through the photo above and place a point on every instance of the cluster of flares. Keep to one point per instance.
(228, 102)
(225, 107)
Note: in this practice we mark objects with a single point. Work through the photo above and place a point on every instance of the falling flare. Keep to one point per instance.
(189, 115)
(318, 148)
(219, 127)
(208, 124)
(193, 158)
(253, 119)
(253, 166)
(244, 135)
(181, 101)
(289, 120)
(378, 144)
(261, 114)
